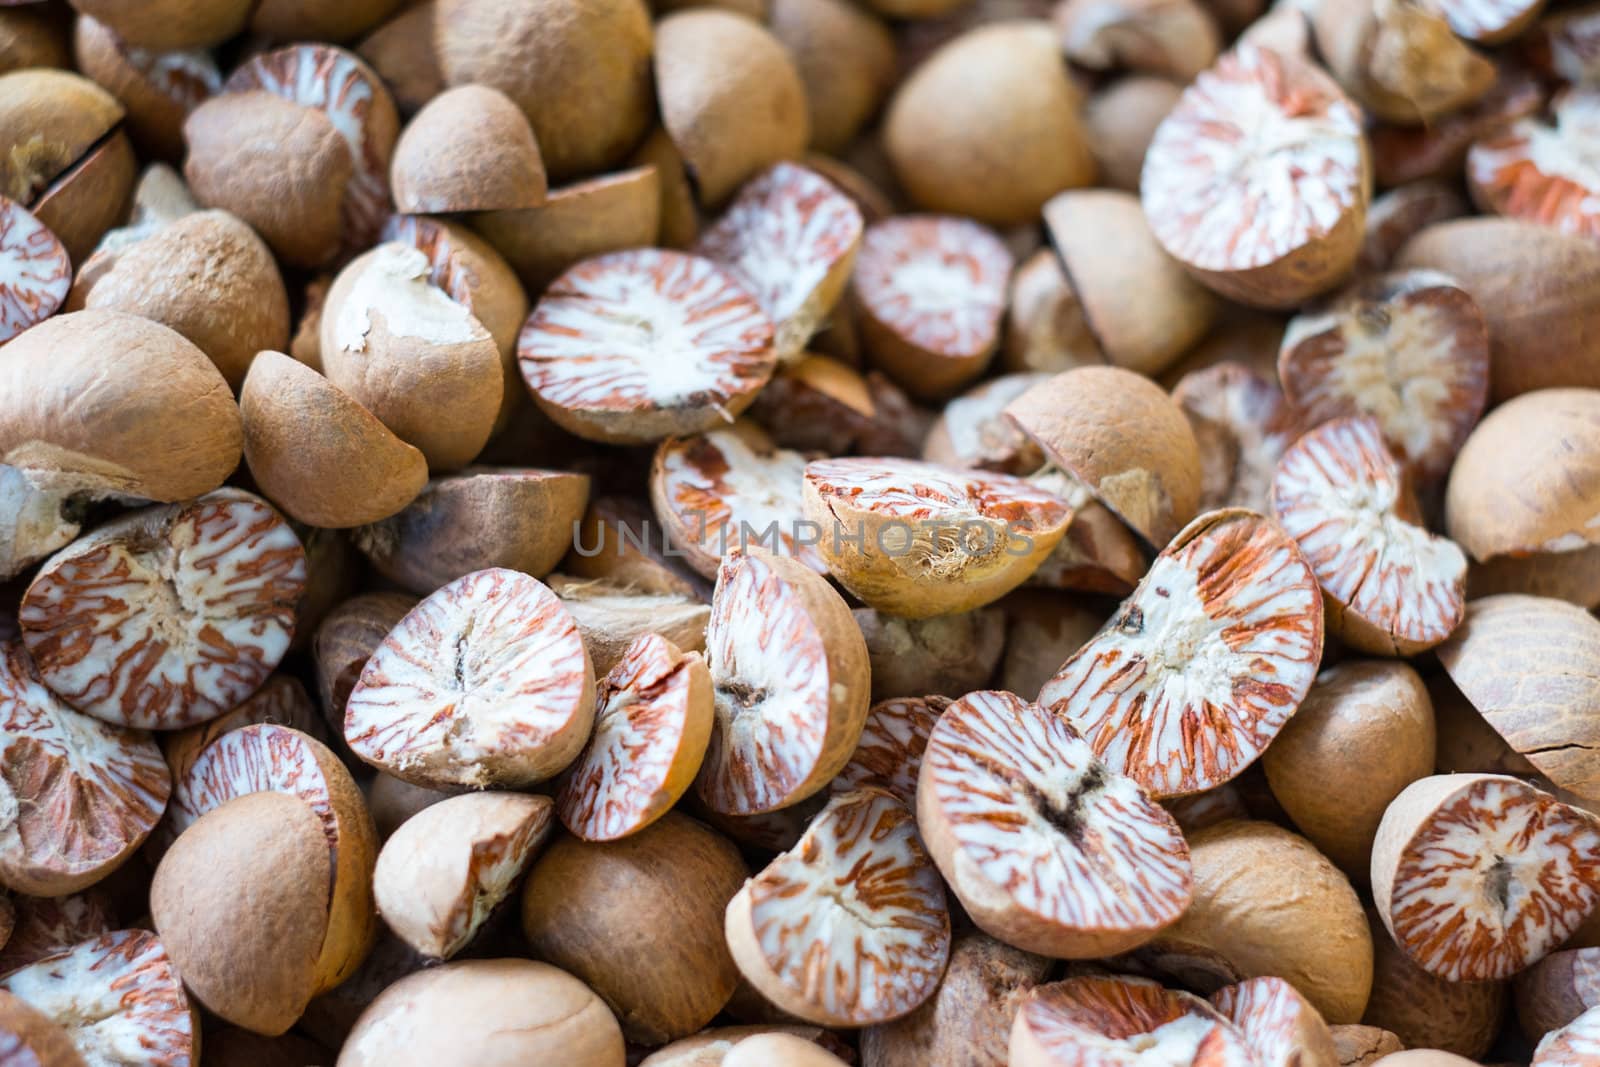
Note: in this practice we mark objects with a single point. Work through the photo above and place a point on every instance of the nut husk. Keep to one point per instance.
(730, 96)
(150, 416)
(316, 453)
(988, 126)
(590, 906)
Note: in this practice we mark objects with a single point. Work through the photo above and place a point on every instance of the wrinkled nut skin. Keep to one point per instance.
(30, 1038)
(1124, 1020)
(988, 126)
(319, 455)
(469, 149)
(1422, 1011)
(1083, 420)
(483, 517)
(1108, 252)
(150, 416)
(210, 278)
(1539, 290)
(581, 72)
(1526, 664)
(485, 1012)
(730, 97)
(588, 906)
(1527, 479)
(255, 967)
(1356, 1045)
(967, 1022)
(446, 869)
(1239, 864)
(1371, 721)
(947, 655)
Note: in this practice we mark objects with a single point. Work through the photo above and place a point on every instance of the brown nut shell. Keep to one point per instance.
(402, 51)
(1426, 1012)
(730, 96)
(1083, 418)
(469, 149)
(241, 902)
(588, 906)
(485, 1013)
(846, 59)
(149, 416)
(351, 472)
(988, 126)
(30, 1038)
(158, 89)
(49, 121)
(1121, 120)
(580, 72)
(166, 25)
(209, 277)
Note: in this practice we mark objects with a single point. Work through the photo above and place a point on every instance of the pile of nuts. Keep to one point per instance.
(789, 533)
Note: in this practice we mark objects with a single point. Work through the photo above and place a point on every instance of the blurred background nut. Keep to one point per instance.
(948, 655)
(1174, 38)
(846, 61)
(169, 24)
(33, 35)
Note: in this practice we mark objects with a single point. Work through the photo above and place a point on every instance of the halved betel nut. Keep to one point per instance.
(1114, 1021)
(1046, 847)
(35, 273)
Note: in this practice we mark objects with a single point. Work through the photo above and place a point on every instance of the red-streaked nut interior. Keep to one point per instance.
(889, 754)
(34, 271)
(1112, 1022)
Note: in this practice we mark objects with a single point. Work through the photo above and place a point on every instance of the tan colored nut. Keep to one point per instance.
(176, 434)
(988, 126)
(1173, 38)
(446, 869)
(1571, 576)
(481, 1011)
(612, 615)
(91, 197)
(947, 655)
(1043, 631)
(1467, 744)
(167, 616)
(1571, 1046)
(484, 683)
(521, 519)
(50, 120)
(402, 51)
(1151, 479)
(790, 238)
(33, 522)
(1279, 1025)
(258, 971)
(321, 108)
(169, 24)
(352, 470)
(819, 932)
(652, 725)
(611, 213)
(816, 404)
(846, 60)
(1121, 121)
(416, 358)
(1400, 214)
(1226, 936)
(613, 542)
(632, 347)
(1099, 554)
(1527, 479)
(1364, 732)
(1115, 1020)
(1045, 329)
(709, 1048)
(116, 996)
(31, 36)
(1504, 660)
(1427, 1012)
(1556, 990)
(345, 641)
(312, 20)
(161, 197)
(1478, 876)
(47, 925)
(82, 794)
(587, 907)
(1359, 1046)
(931, 290)
(469, 149)
(580, 74)
(281, 701)
(210, 278)
(1271, 221)
(677, 208)
(972, 431)
(1537, 288)
(968, 1018)
(917, 540)
(731, 98)
(1389, 585)
(1400, 59)
(1410, 349)
(1173, 311)
(159, 89)
(1046, 847)
(1243, 424)
(28, 1036)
